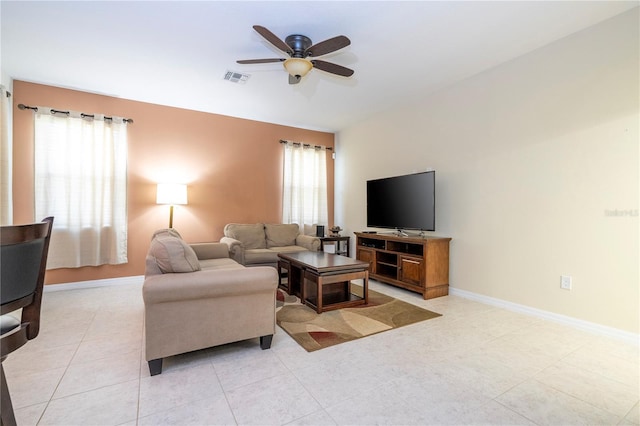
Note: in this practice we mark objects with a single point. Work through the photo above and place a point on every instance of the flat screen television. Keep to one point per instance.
(402, 202)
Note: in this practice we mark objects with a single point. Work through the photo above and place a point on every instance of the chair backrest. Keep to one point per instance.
(23, 261)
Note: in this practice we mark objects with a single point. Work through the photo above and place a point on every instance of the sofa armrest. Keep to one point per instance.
(309, 242)
(210, 250)
(236, 249)
(168, 288)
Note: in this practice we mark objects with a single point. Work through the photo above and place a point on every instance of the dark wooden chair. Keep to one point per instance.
(23, 260)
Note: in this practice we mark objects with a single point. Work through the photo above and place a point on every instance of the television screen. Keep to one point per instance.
(402, 202)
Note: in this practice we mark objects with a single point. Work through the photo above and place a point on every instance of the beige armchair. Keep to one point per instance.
(196, 297)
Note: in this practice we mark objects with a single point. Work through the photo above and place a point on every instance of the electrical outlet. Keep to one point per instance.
(565, 282)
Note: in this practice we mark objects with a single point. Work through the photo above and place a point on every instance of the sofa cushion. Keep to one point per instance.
(280, 235)
(258, 256)
(288, 249)
(172, 254)
(250, 235)
(220, 263)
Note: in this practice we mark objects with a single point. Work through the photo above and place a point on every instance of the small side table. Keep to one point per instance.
(341, 243)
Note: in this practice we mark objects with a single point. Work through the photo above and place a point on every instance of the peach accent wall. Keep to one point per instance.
(232, 166)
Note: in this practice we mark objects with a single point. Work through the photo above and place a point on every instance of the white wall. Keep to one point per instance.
(531, 158)
(6, 81)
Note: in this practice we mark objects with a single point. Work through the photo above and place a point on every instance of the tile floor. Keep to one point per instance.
(476, 364)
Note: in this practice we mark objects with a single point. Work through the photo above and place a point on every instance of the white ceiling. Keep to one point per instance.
(176, 53)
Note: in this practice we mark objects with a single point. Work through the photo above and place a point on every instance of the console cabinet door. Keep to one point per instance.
(367, 255)
(411, 269)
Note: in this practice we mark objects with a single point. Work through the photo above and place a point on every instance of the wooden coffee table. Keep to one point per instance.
(330, 276)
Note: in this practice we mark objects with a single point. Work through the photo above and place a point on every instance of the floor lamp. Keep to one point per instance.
(171, 194)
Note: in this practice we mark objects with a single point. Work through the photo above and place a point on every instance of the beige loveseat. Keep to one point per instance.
(196, 297)
(258, 244)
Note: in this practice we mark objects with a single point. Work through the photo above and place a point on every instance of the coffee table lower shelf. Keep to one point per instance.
(323, 280)
(331, 298)
(335, 302)
(334, 290)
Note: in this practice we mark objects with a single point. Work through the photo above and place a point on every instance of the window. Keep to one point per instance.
(304, 199)
(81, 180)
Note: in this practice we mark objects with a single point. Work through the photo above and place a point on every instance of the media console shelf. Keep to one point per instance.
(419, 264)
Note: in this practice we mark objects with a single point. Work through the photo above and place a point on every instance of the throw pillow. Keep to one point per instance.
(166, 232)
(250, 235)
(173, 255)
(281, 235)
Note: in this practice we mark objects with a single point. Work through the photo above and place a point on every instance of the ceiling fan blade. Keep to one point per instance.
(327, 46)
(259, 61)
(273, 39)
(332, 68)
(294, 79)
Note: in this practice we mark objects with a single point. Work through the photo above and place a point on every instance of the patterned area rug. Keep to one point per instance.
(318, 331)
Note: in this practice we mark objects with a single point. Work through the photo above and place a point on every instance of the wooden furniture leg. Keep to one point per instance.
(365, 287)
(319, 299)
(6, 408)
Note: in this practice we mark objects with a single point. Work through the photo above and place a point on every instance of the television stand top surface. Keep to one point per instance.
(394, 236)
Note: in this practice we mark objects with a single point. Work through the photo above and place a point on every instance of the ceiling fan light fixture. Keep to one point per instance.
(298, 66)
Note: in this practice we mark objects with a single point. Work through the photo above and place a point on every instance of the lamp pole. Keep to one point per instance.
(171, 216)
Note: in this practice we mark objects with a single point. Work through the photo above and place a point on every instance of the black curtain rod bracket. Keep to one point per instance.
(83, 115)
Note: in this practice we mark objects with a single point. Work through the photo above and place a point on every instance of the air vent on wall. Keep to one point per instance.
(236, 77)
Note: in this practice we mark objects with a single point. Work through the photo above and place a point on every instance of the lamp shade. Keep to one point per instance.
(298, 66)
(171, 193)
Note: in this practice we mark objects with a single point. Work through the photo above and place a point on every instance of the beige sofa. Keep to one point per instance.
(196, 297)
(258, 244)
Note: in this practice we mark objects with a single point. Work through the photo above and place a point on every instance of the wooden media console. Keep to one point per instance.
(419, 264)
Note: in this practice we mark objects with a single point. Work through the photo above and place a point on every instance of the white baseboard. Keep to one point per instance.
(591, 327)
(138, 279)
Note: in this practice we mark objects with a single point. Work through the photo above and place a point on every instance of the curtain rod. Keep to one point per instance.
(307, 145)
(83, 115)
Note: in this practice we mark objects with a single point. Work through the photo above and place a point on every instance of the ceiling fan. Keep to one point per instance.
(299, 48)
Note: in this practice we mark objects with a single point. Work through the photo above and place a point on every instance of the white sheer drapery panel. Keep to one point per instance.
(81, 180)
(6, 163)
(304, 198)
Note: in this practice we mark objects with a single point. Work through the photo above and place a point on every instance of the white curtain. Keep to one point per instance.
(81, 180)
(304, 198)
(6, 163)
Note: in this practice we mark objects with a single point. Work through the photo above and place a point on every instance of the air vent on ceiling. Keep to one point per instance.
(236, 77)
